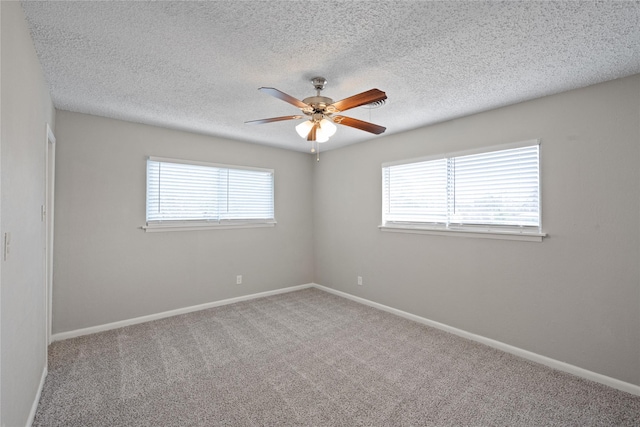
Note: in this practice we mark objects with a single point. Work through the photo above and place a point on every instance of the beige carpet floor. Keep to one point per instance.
(309, 358)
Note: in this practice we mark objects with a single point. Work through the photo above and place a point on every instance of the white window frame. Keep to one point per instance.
(534, 234)
(195, 225)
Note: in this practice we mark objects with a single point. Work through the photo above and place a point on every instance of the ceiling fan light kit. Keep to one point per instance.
(325, 129)
(320, 112)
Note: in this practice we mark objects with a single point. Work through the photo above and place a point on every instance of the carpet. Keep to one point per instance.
(309, 358)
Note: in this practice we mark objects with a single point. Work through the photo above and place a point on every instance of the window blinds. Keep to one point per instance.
(179, 191)
(416, 192)
(497, 188)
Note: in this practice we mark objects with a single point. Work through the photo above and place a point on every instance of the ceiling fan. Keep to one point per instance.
(322, 112)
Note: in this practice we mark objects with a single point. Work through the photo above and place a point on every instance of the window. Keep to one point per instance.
(495, 192)
(185, 194)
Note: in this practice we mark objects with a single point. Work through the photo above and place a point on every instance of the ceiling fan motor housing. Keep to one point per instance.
(318, 104)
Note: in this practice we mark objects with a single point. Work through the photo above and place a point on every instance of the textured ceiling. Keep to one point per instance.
(197, 65)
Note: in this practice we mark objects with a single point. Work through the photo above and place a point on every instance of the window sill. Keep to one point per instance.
(527, 236)
(155, 228)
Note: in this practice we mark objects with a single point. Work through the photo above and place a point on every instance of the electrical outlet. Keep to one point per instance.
(239, 279)
(360, 280)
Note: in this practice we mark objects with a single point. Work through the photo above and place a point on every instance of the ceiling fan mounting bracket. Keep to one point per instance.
(319, 83)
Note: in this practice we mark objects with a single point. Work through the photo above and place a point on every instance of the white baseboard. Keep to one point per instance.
(534, 357)
(36, 400)
(115, 325)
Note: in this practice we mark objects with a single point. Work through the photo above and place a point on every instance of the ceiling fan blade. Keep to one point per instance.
(283, 96)
(359, 124)
(372, 95)
(272, 119)
(311, 136)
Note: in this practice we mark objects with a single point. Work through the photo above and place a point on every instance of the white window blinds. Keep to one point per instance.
(416, 192)
(499, 188)
(183, 191)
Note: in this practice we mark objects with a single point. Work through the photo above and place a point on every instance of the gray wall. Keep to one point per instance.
(107, 269)
(26, 108)
(575, 297)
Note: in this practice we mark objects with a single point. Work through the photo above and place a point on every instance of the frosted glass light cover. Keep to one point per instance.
(304, 128)
(327, 127)
(320, 137)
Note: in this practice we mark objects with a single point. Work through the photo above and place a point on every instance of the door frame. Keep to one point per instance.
(47, 216)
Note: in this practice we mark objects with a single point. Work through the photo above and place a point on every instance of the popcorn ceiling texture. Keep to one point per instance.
(197, 66)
